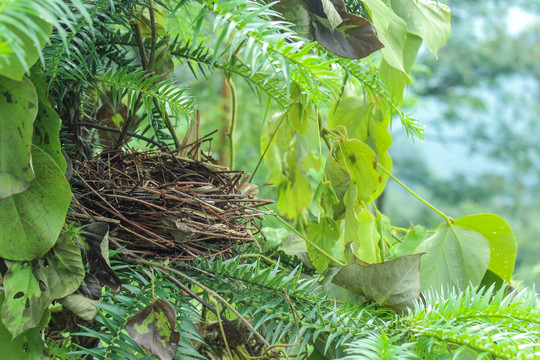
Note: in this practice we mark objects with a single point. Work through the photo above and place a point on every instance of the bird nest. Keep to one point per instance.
(164, 206)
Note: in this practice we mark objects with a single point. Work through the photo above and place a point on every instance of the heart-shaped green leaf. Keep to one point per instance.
(324, 235)
(153, 328)
(455, 257)
(394, 283)
(18, 101)
(31, 221)
(501, 239)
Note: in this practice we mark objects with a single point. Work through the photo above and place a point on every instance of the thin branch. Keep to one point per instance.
(107, 128)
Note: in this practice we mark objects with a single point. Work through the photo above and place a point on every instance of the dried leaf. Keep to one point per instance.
(153, 328)
(394, 283)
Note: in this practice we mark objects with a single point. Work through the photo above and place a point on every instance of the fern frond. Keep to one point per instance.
(128, 83)
(380, 347)
(18, 20)
(252, 32)
(115, 310)
(485, 320)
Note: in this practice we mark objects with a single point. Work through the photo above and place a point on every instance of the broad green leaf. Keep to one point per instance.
(153, 328)
(361, 230)
(331, 13)
(396, 80)
(410, 242)
(47, 129)
(298, 116)
(62, 269)
(394, 43)
(394, 283)
(25, 302)
(294, 245)
(26, 346)
(31, 221)
(353, 113)
(428, 19)
(325, 234)
(294, 195)
(360, 162)
(80, 305)
(13, 66)
(380, 14)
(18, 101)
(501, 239)
(384, 228)
(455, 257)
(324, 200)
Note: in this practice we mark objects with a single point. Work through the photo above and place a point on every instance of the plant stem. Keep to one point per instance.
(232, 124)
(307, 240)
(446, 217)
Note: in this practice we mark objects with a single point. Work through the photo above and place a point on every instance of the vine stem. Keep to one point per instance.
(319, 249)
(446, 217)
(210, 292)
(232, 124)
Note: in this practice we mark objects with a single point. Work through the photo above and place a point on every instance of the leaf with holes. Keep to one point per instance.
(18, 101)
(62, 269)
(25, 300)
(394, 283)
(153, 328)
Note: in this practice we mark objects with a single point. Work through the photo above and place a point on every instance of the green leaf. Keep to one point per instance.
(360, 162)
(25, 53)
(352, 113)
(395, 79)
(26, 346)
(25, 301)
(394, 283)
(428, 19)
(294, 245)
(18, 101)
(455, 257)
(410, 242)
(31, 221)
(394, 43)
(331, 13)
(501, 239)
(81, 306)
(47, 129)
(361, 230)
(325, 234)
(153, 328)
(294, 195)
(62, 270)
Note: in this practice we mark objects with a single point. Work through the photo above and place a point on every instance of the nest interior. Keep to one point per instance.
(163, 206)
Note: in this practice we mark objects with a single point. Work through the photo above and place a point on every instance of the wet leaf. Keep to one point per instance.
(25, 301)
(26, 346)
(394, 283)
(31, 221)
(325, 234)
(97, 238)
(455, 257)
(501, 239)
(153, 328)
(18, 101)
